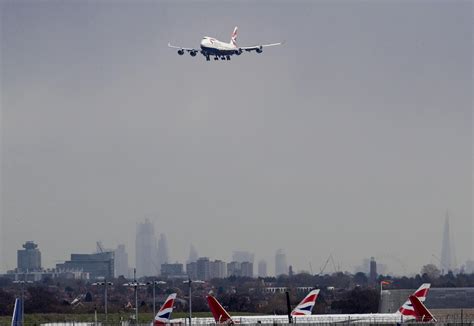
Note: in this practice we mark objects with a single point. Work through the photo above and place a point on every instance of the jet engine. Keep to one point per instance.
(181, 52)
(259, 50)
(193, 53)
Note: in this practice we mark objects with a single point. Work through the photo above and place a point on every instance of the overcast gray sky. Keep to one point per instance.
(352, 139)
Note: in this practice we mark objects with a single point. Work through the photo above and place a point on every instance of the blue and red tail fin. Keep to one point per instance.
(305, 307)
(422, 313)
(233, 37)
(17, 317)
(164, 314)
(221, 316)
(407, 308)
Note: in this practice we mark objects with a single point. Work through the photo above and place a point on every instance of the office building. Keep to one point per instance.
(121, 261)
(217, 269)
(145, 250)
(29, 258)
(262, 268)
(246, 269)
(97, 265)
(203, 268)
(281, 265)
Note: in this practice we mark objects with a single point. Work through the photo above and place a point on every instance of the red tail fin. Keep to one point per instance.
(221, 316)
(422, 313)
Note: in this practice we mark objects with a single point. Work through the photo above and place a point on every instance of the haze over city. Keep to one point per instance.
(353, 139)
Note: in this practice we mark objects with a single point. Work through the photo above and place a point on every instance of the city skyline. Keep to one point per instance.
(351, 140)
(238, 257)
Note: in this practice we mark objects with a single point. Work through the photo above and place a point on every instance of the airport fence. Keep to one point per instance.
(444, 322)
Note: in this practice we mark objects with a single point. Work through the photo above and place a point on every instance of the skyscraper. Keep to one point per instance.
(145, 250)
(447, 251)
(281, 266)
(373, 272)
(262, 268)
(246, 269)
(203, 266)
(162, 251)
(29, 258)
(193, 255)
(121, 261)
(217, 269)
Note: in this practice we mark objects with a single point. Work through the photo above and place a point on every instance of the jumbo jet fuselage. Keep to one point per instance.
(212, 46)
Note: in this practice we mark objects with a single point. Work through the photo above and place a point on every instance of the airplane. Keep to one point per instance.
(221, 316)
(213, 47)
(164, 314)
(408, 311)
(17, 318)
(304, 308)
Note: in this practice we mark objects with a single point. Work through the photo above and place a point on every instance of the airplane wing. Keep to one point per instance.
(259, 48)
(181, 49)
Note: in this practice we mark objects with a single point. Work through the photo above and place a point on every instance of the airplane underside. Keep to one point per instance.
(217, 54)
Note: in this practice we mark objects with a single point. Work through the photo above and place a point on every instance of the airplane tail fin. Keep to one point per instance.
(233, 38)
(17, 317)
(164, 314)
(407, 308)
(221, 316)
(306, 305)
(422, 313)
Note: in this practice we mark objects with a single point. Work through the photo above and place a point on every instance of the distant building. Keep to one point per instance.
(145, 250)
(217, 269)
(447, 262)
(262, 268)
(29, 258)
(37, 276)
(98, 265)
(290, 271)
(281, 266)
(203, 268)
(162, 250)
(191, 270)
(233, 269)
(193, 254)
(246, 268)
(121, 261)
(373, 272)
(172, 270)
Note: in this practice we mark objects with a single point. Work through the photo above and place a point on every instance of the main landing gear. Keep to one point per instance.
(216, 57)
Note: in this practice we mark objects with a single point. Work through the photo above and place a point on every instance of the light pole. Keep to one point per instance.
(189, 281)
(135, 284)
(22, 285)
(154, 301)
(105, 283)
(381, 293)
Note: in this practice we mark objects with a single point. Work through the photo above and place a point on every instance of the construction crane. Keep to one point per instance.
(100, 247)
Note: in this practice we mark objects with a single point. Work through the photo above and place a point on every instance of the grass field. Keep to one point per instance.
(34, 319)
(453, 315)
